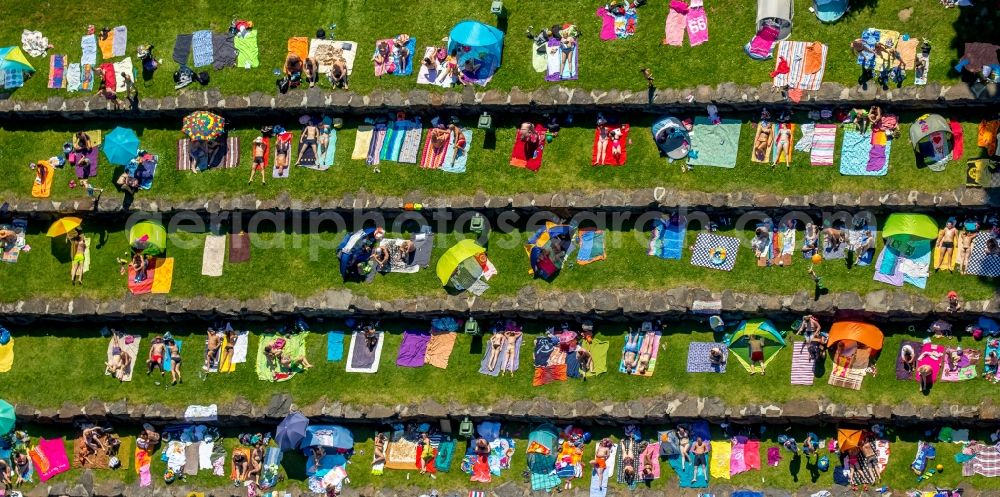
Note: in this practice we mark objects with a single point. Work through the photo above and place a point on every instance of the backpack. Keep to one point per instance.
(283, 85)
(4, 336)
(203, 78)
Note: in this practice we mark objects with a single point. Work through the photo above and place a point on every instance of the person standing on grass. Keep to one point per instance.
(756, 346)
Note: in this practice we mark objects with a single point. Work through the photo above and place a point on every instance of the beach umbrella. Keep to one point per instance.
(63, 226)
(203, 125)
(121, 146)
(6, 417)
(291, 431)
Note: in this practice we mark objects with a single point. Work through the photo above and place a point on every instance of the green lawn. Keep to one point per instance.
(566, 167)
(306, 265)
(719, 60)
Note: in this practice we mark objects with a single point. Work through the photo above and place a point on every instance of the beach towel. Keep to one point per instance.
(722, 452)
(985, 461)
(591, 246)
(501, 359)
(959, 139)
(519, 156)
(436, 76)
(824, 139)
(107, 45)
(335, 346)
(806, 62)
(667, 238)
(652, 454)
(624, 451)
(964, 368)
(555, 70)
(714, 144)
(57, 71)
(385, 65)
(654, 349)
(146, 285)
(751, 454)
(607, 24)
(737, 461)
(239, 247)
(923, 57)
(981, 262)
(362, 141)
(714, 251)
(803, 367)
(402, 455)
(898, 269)
(163, 277)
(859, 157)
(49, 458)
(326, 52)
(93, 157)
(73, 82)
(621, 143)
(445, 453)
(120, 41)
(673, 30)
(359, 358)
(439, 348)
(697, 26)
(901, 372)
(395, 135)
(201, 48)
(760, 46)
(223, 50)
(598, 357)
(88, 47)
(456, 158)
(213, 255)
(540, 55)
(685, 473)
(299, 46)
(849, 373)
(168, 363)
(247, 53)
(805, 142)
(433, 158)
(626, 23)
(86, 77)
(698, 360)
(373, 157)
(7, 356)
(305, 157)
(129, 349)
(295, 347)
(240, 349)
(123, 66)
(182, 49)
(599, 486)
(413, 349)
(229, 158)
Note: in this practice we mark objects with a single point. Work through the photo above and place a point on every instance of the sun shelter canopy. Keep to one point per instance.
(355, 250)
(542, 449)
(830, 10)
(12, 59)
(548, 248)
(777, 13)
(148, 237)
(6, 417)
(459, 268)
(478, 41)
(866, 334)
(932, 138)
(848, 438)
(671, 137)
(328, 436)
(739, 342)
(913, 225)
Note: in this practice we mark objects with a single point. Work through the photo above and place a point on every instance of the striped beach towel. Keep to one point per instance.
(850, 374)
(411, 144)
(802, 364)
(375, 147)
(801, 58)
(231, 160)
(824, 140)
(57, 70)
(433, 159)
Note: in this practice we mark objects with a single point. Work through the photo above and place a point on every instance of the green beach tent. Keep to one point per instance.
(460, 268)
(738, 342)
(542, 449)
(911, 226)
(148, 237)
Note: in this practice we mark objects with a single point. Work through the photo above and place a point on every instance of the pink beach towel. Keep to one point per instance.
(673, 31)
(607, 24)
(934, 358)
(651, 453)
(737, 462)
(959, 135)
(762, 44)
(697, 26)
(773, 456)
(49, 458)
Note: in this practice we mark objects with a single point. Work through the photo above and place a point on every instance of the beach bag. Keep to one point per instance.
(823, 464)
(4, 336)
(283, 85)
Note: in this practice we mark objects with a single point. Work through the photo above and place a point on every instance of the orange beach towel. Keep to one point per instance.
(299, 46)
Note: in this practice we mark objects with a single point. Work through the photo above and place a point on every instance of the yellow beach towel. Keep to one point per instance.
(7, 356)
(722, 452)
(228, 366)
(163, 276)
(362, 140)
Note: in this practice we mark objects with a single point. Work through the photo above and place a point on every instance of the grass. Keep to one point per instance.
(305, 265)
(720, 60)
(566, 167)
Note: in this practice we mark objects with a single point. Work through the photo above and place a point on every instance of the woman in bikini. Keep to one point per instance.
(439, 139)
(78, 247)
(784, 146)
(308, 140)
(175, 362)
(282, 150)
(426, 453)
(646, 352)
(762, 142)
(240, 467)
(684, 444)
(379, 453)
(381, 57)
(510, 357)
(946, 244)
(456, 136)
(256, 464)
(496, 346)
(324, 142)
(566, 46)
(258, 161)
(631, 351)
(227, 351)
(603, 136)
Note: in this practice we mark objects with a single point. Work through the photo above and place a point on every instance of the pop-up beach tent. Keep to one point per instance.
(148, 237)
(932, 141)
(777, 13)
(477, 41)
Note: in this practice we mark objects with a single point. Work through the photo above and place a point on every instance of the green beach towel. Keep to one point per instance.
(246, 50)
(715, 144)
(294, 345)
(445, 452)
(599, 355)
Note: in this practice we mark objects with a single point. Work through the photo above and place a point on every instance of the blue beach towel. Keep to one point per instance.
(684, 474)
(592, 247)
(120, 41)
(856, 151)
(668, 239)
(201, 47)
(331, 150)
(453, 164)
(88, 45)
(411, 46)
(168, 362)
(394, 136)
(335, 346)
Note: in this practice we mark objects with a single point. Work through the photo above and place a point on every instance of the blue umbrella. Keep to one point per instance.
(291, 431)
(6, 417)
(121, 146)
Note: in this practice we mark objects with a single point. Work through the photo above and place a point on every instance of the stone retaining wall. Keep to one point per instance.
(660, 197)
(612, 304)
(728, 96)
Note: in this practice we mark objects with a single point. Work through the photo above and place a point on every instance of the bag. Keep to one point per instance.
(203, 78)
(4, 336)
(283, 85)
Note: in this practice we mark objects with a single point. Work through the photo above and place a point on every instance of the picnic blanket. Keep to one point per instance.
(519, 156)
(456, 158)
(654, 352)
(295, 347)
(326, 52)
(223, 50)
(861, 156)
(182, 49)
(247, 53)
(362, 141)
(57, 71)
(823, 142)
(437, 75)
(335, 346)
(434, 158)
(964, 367)
(359, 358)
(591, 247)
(239, 247)
(129, 349)
(667, 238)
(229, 155)
(803, 367)
(439, 348)
(714, 144)
(201, 48)
(848, 373)
(214, 255)
(555, 70)
(413, 349)
(896, 268)
(484, 366)
(88, 49)
(698, 360)
(982, 263)
(869, 38)
(621, 143)
(806, 61)
(715, 251)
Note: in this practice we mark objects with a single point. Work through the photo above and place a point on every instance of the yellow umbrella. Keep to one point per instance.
(64, 225)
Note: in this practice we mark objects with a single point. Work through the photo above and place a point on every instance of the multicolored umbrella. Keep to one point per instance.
(203, 125)
(63, 226)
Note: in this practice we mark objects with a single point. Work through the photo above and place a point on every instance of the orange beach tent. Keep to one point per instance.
(866, 334)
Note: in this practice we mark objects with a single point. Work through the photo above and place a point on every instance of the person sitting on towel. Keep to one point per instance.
(22, 466)
(817, 346)
(834, 237)
(371, 337)
(317, 455)
(7, 237)
(378, 457)
(338, 73)
(293, 68)
(240, 466)
(716, 357)
(482, 448)
(311, 68)
(809, 326)
(83, 143)
(585, 360)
